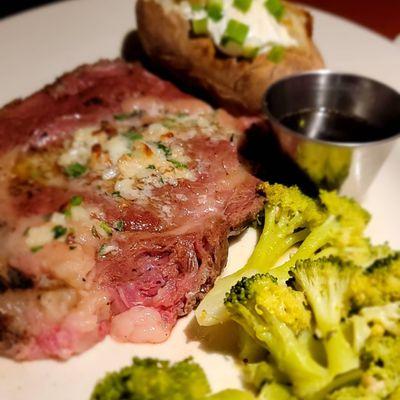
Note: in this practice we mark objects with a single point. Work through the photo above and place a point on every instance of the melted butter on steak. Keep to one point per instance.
(136, 159)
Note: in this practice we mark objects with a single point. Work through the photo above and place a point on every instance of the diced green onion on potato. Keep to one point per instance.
(250, 52)
(242, 5)
(200, 26)
(215, 9)
(276, 8)
(276, 54)
(235, 32)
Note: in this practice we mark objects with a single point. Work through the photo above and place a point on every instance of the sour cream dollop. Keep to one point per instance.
(265, 31)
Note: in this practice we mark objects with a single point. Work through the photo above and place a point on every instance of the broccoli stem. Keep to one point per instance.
(272, 245)
(340, 355)
(291, 356)
(316, 239)
(339, 381)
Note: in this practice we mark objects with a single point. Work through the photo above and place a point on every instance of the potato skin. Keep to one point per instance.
(237, 83)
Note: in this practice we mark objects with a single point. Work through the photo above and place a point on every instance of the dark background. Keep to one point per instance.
(382, 16)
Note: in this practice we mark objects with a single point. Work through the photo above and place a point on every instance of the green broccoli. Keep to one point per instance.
(325, 283)
(380, 377)
(277, 316)
(341, 234)
(289, 218)
(378, 284)
(153, 379)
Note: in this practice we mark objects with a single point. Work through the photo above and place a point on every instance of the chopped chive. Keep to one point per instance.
(151, 166)
(75, 170)
(35, 249)
(132, 135)
(276, 54)
(276, 8)
(200, 26)
(177, 164)
(59, 231)
(215, 9)
(116, 194)
(106, 228)
(103, 250)
(167, 151)
(236, 32)
(76, 201)
(119, 225)
(242, 5)
(250, 52)
(125, 116)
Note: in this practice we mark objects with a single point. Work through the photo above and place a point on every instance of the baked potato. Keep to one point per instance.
(235, 82)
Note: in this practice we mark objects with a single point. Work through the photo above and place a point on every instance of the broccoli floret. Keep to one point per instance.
(325, 283)
(374, 321)
(152, 379)
(340, 234)
(378, 284)
(276, 315)
(289, 218)
(381, 365)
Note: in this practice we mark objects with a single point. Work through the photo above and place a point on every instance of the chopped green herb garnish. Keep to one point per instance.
(250, 52)
(276, 54)
(106, 228)
(35, 249)
(119, 225)
(73, 202)
(276, 8)
(200, 26)
(116, 194)
(167, 151)
(215, 9)
(124, 116)
(75, 170)
(59, 231)
(178, 164)
(103, 250)
(151, 166)
(235, 32)
(76, 200)
(132, 135)
(242, 5)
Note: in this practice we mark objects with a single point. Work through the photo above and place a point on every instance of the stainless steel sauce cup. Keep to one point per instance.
(338, 128)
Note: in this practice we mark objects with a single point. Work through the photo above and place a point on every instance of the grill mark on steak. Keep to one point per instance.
(66, 297)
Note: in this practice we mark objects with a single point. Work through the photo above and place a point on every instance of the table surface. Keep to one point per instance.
(383, 16)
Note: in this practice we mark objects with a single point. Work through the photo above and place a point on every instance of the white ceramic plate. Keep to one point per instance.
(40, 45)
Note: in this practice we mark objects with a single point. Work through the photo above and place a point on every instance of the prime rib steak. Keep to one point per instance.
(118, 193)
